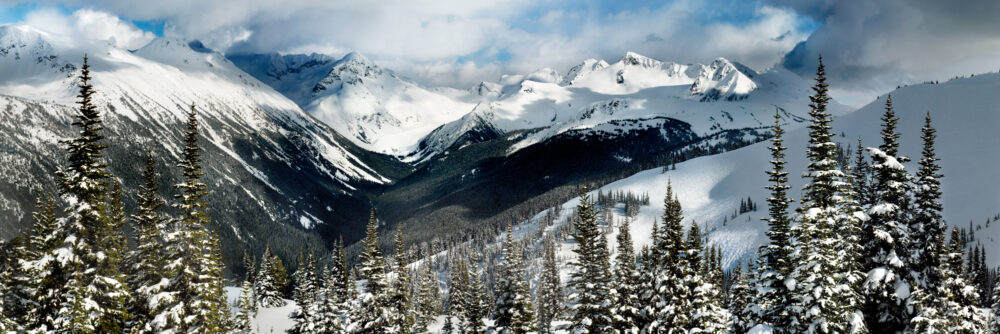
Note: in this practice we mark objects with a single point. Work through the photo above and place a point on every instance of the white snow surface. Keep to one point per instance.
(268, 319)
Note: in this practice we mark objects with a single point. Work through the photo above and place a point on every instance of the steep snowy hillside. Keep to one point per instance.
(274, 170)
(292, 75)
(712, 187)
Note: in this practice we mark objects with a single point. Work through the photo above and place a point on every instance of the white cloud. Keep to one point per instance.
(88, 24)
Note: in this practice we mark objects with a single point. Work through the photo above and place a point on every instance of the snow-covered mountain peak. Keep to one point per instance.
(723, 79)
(352, 69)
(26, 55)
(184, 55)
(635, 59)
(582, 70)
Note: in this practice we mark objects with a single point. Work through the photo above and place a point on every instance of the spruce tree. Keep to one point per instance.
(146, 263)
(513, 312)
(772, 302)
(34, 293)
(550, 295)
(266, 286)
(862, 173)
(927, 200)
(819, 290)
(705, 315)
(994, 326)
(742, 302)
(95, 294)
(458, 289)
(668, 302)
(887, 235)
(331, 303)
(428, 301)
(476, 306)
(306, 294)
(401, 319)
(590, 299)
(248, 309)
(193, 253)
(372, 316)
(626, 290)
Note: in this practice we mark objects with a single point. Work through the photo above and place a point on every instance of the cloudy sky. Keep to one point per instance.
(869, 46)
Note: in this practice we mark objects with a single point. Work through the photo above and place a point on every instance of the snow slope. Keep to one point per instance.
(711, 187)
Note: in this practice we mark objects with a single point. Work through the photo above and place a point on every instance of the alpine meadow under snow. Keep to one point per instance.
(174, 188)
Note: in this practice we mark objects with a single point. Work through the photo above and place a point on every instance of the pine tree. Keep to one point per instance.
(959, 294)
(590, 299)
(994, 326)
(332, 301)
(513, 312)
(458, 289)
(887, 235)
(476, 306)
(248, 309)
(197, 302)
(146, 273)
(428, 303)
(706, 315)
(95, 293)
(550, 295)
(306, 294)
(626, 290)
(819, 290)
(376, 306)
(266, 286)
(927, 195)
(772, 302)
(401, 319)
(668, 301)
(34, 293)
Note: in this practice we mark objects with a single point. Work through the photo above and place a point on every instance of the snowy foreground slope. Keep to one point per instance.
(711, 187)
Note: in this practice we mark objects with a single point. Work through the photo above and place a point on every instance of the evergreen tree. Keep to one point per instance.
(266, 286)
(550, 295)
(590, 299)
(146, 263)
(197, 302)
(927, 213)
(428, 303)
(772, 302)
(513, 312)
(819, 290)
(458, 290)
(476, 306)
(95, 294)
(887, 235)
(306, 294)
(668, 302)
(34, 293)
(401, 319)
(994, 326)
(706, 315)
(248, 309)
(372, 316)
(745, 314)
(862, 173)
(626, 290)
(332, 302)
(958, 293)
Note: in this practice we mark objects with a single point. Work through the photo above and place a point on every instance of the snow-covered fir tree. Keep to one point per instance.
(512, 310)
(772, 301)
(196, 301)
(886, 238)
(625, 294)
(306, 294)
(549, 291)
(819, 290)
(862, 176)
(95, 294)
(958, 293)
(428, 301)
(994, 326)
(590, 297)
(476, 307)
(458, 290)
(34, 288)
(706, 314)
(376, 308)
(146, 275)
(266, 286)
(401, 318)
(744, 313)
(330, 303)
(668, 299)
(243, 323)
